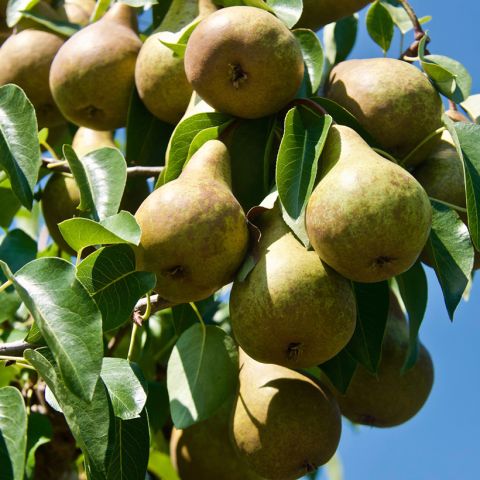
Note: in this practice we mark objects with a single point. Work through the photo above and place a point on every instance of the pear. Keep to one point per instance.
(367, 218)
(390, 397)
(92, 76)
(284, 424)
(194, 232)
(244, 61)
(307, 310)
(205, 451)
(317, 13)
(86, 140)
(25, 60)
(393, 101)
(78, 11)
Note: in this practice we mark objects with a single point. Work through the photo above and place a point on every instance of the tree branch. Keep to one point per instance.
(412, 51)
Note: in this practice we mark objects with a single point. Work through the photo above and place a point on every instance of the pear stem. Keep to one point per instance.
(450, 205)
(423, 142)
(199, 316)
(7, 284)
(412, 50)
(131, 347)
(385, 154)
(50, 150)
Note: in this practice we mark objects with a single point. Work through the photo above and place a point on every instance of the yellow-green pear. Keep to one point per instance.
(25, 60)
(367, 218)
(390, 397)
(393, 100)
(244, 61)
(77, 11)
(317, 13)
(284, 424)
(86, 140)
(92, 76)
(292, 309)
(194, 231)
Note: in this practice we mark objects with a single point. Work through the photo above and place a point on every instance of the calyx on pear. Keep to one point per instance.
(367, 218)
(194, 231)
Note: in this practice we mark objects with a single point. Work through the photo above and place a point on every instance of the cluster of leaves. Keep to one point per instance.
(75, 316)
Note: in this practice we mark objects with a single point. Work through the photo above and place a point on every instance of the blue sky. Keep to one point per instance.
(442, 441)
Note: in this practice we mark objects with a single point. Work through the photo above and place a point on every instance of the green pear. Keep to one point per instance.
(367, 218)
(86, 140)
(393, 100)
(194, 232)
(284, 425)
(25, 60)
(204, 451)
(390, 397)
(292, 309)
(244, 61)
(92, 76)
(317, 13)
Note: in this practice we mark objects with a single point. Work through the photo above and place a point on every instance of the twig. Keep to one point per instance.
(15, 349)
(419, 33)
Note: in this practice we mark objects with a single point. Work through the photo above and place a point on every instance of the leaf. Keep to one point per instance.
(339, 39)
(68, 319)
(472, 107)
(15, 9)
(340, 370)
(83, 232)
(13, 434)
(19, 147)
(288, 11)
(372, 312)
(380, 25)
(297, 161)
(160, 464)
(414, 291)
(126, 387)
(204, 136)
(201, 374)
(398, 14)
(312, 56)
(177, 48)
(182, 137)
(110, 277)
(9, 202)
(101, 176)
(452, 254)
(16, 250)
(67, 29)
(39, 433)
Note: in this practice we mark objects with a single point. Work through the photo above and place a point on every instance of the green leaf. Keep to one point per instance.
(398, 14)
(67, 29)
(201, 374)
(83, 232)
(183, 136)
(157, 405)
(16, 250)
(452, 254)
(288, 11)
(160, 464)
(147, 136)
(372, 313)
(126, 387)
(9, 202)
(312, 56)
(414, 291)
(101, 176)
(68, 319)
(340, 370)
(302, 143)
(204, 136)
(177, 48)
(19, 147)
(380, 25)
(472, 107)
(15, 9)
(39, 433)
(13, 434)
(339, 39)
(109, 276)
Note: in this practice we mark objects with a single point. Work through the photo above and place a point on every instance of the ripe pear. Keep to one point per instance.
(390, 397)
(205, 451)
(244, 61)
(393, 101)
(86, 140)
(25, 60)
(194, 231)
(92, 76)
(292, 309)
(318, 13)
(77, 11)
(367, 218)
(284, 424)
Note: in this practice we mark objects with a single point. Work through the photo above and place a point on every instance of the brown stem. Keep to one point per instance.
(452, 105)
(412, 51)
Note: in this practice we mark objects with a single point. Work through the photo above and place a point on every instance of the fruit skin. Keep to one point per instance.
(392, 100)
(284, 425)
(25, 60)
(194, 232)
(204, 451)
(317, 13)
(77, 11)
(307, 311)
(86, 140)
(389, 398)
(244, 61)
(92, 75)
(367, 218)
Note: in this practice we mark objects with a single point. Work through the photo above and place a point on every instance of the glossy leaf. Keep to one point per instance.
(101, 176)
(126, 387)
(339, 39)
(451, 253)
(201, 374)
(39, 433)
(340, 370)
(68, 319)
(61, 27)
(110, 277)
(398, 15)
(16, 250)
(312, 56)
(380, 25)
(288, 11)
(13, 434)
(372, 312)
(19, 147)
(15, 9)
(83, 232)
(204, 136)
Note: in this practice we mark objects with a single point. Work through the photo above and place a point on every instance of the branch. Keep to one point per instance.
(131, 171)
(15, 349)
(412, 51)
